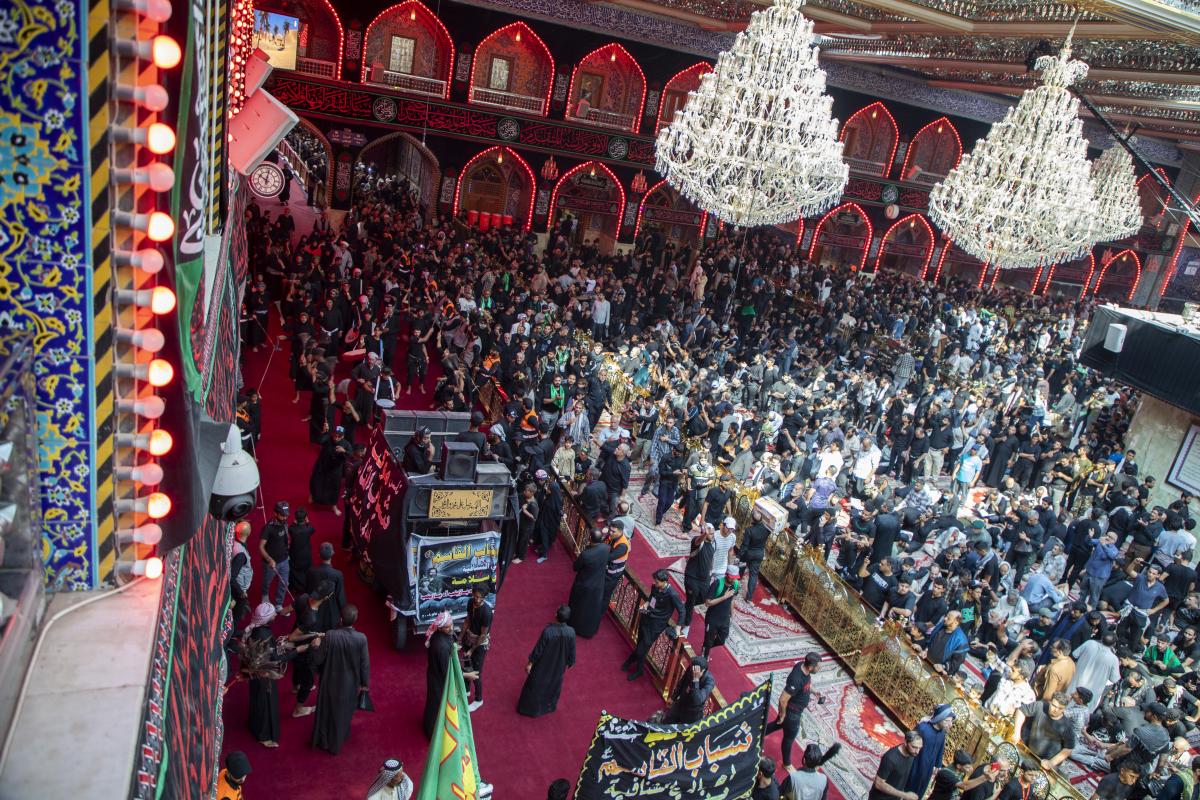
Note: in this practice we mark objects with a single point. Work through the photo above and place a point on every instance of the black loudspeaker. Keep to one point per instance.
(398, 419)
(499, 502)
(458, 462)
(418, 505)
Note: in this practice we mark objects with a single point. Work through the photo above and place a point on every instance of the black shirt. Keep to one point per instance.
(275, 534)
(717, 498)
(798, 688)
(877, 587)
(945, 784)
(893, 770)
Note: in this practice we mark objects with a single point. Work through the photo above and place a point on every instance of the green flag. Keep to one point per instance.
(451, 772)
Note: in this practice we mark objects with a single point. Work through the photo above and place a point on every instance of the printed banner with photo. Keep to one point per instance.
(715, 757)
(449, 567)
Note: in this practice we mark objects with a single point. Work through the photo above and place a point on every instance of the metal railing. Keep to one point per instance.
(607, 119)
(312, 66)
(416, 84)
(509, 100)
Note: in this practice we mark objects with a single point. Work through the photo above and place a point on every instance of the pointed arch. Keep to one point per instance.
(595, 165)
(1074, 268)
(1153, 198)
(433, 59)
(425, 174)
(933, 152)
(866, 151)
(627, 103)
(800, 228)
(508, 152)
(911, 221)
(675, 91)
(321, 39)
(534, 89)
(677, 198)
(850, 207)
(1121, 257)
(1183, 230)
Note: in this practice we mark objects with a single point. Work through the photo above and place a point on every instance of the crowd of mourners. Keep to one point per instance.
(939, 445)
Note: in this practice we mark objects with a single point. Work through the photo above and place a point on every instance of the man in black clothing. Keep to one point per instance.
(887, 530)
(418, 453)
(308, 625)
(670, 469)
(331, 610)
(473, 435)
(476, 638)
(697, 573)
(752, 551)
(300, 552)
(894, 768)
(273, 547)
(691, 693)
(594, 496)
(615, 476)
(797, 692)
(655, 616)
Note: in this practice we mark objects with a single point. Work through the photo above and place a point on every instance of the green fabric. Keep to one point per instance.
(451, 771)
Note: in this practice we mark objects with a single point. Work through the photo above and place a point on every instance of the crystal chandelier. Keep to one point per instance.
(1115, 182)
(1024, 196)
(756, 144)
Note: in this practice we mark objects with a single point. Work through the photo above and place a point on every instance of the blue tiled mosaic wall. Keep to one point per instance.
(45, 281)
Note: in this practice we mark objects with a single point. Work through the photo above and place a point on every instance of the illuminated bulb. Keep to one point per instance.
(160, 442)
(874, 114)
(500, 158)
(159, 177)
(151, 568)
(148, 261)
(939, 130)
(150, 406)
(149, 339)
(149, 474)
(160, 138)
(165, 52)
(518, 36)
(158, 505)
(160, 373)
(148, 534)
(157, 225)
(160, 299)
(412, 14)
(151, 97)
(592, 172)
(156, 10)
(613, 57)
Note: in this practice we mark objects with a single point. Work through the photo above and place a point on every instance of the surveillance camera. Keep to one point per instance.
(234, 488)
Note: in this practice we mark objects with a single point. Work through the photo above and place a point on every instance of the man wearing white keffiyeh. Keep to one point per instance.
(391, 783)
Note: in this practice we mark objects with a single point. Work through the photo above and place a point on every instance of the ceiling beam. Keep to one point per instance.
(1025, 30)
(901, 8)
(918, 63)
(1101, 99)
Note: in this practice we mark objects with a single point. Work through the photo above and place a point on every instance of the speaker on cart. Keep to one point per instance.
(458, 462)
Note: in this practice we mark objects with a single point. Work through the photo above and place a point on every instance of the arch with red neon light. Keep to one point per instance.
(901, 242)
(593, 193)
(430, 62)
(1120, 260)
(1183, 231)
(1154, 200)
(870, 136)
(845, 237)
(958, 263)
(400, 162)
(932, 153)
(664, 204)
(523, 81)
(510, 167)
(319, 51)
(608, 88)
(800, 228)
(1021, 280)
(313, 130)
(1071, 274)
(675, 92)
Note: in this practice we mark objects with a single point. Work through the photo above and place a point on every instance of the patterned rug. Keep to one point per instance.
(667, 540)
(847, 716)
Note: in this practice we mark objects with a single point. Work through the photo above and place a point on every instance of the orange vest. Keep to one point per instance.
(617, 563)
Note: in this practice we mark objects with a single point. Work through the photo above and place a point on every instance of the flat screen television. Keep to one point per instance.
(279, 37)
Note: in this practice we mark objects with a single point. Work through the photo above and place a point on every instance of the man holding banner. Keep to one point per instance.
(451, 769)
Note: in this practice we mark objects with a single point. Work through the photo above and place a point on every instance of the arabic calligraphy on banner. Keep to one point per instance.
(460, 503)
(715, 758)
(449, 567)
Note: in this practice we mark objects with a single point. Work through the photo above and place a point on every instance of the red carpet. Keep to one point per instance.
(520, 756)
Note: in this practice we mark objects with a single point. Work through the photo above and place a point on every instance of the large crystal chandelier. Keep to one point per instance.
(1024, 196)
(1115, 183)
(756, 144)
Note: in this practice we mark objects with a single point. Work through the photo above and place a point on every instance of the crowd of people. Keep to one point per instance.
(937, 444)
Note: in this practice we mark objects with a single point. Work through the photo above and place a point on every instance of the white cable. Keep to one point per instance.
(12, 728)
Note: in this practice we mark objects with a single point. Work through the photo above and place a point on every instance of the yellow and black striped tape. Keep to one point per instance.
(102, 281)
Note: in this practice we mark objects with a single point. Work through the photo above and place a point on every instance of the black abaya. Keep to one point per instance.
(551, 656)
(325, 485)
(345, 667)
(264, 695)
(587, 592)
(441, 650)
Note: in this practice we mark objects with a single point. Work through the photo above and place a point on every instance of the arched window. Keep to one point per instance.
(870, 136)
(843, 236)
(675, 93)
(932, 153)
(512, 69)
(497, 181)
(408, 47)
(608, 89)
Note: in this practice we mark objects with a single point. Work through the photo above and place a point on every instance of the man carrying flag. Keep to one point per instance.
(451, 771)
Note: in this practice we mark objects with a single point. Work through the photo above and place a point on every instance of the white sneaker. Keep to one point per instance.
(475, 706)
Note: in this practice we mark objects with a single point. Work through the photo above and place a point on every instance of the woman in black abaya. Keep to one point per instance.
(553, 654)
(263, 662)
(325, 485)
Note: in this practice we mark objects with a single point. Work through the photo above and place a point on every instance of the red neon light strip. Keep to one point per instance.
(610, 46)
(870, 229)
(912, 145)
(704, 67)
(895, 132)
(425, 13)
(982, 275)
(1088, 279)
(522, 28)
(577, 168)
(928, 250)
(1037, 276)
(341, 38)
(507, 151)
(1049, 277)
(1137, 263)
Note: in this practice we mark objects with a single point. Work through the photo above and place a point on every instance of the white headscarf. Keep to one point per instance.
(440, 621)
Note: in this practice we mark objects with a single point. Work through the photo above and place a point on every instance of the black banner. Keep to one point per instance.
(715, 758)
(449, 567)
